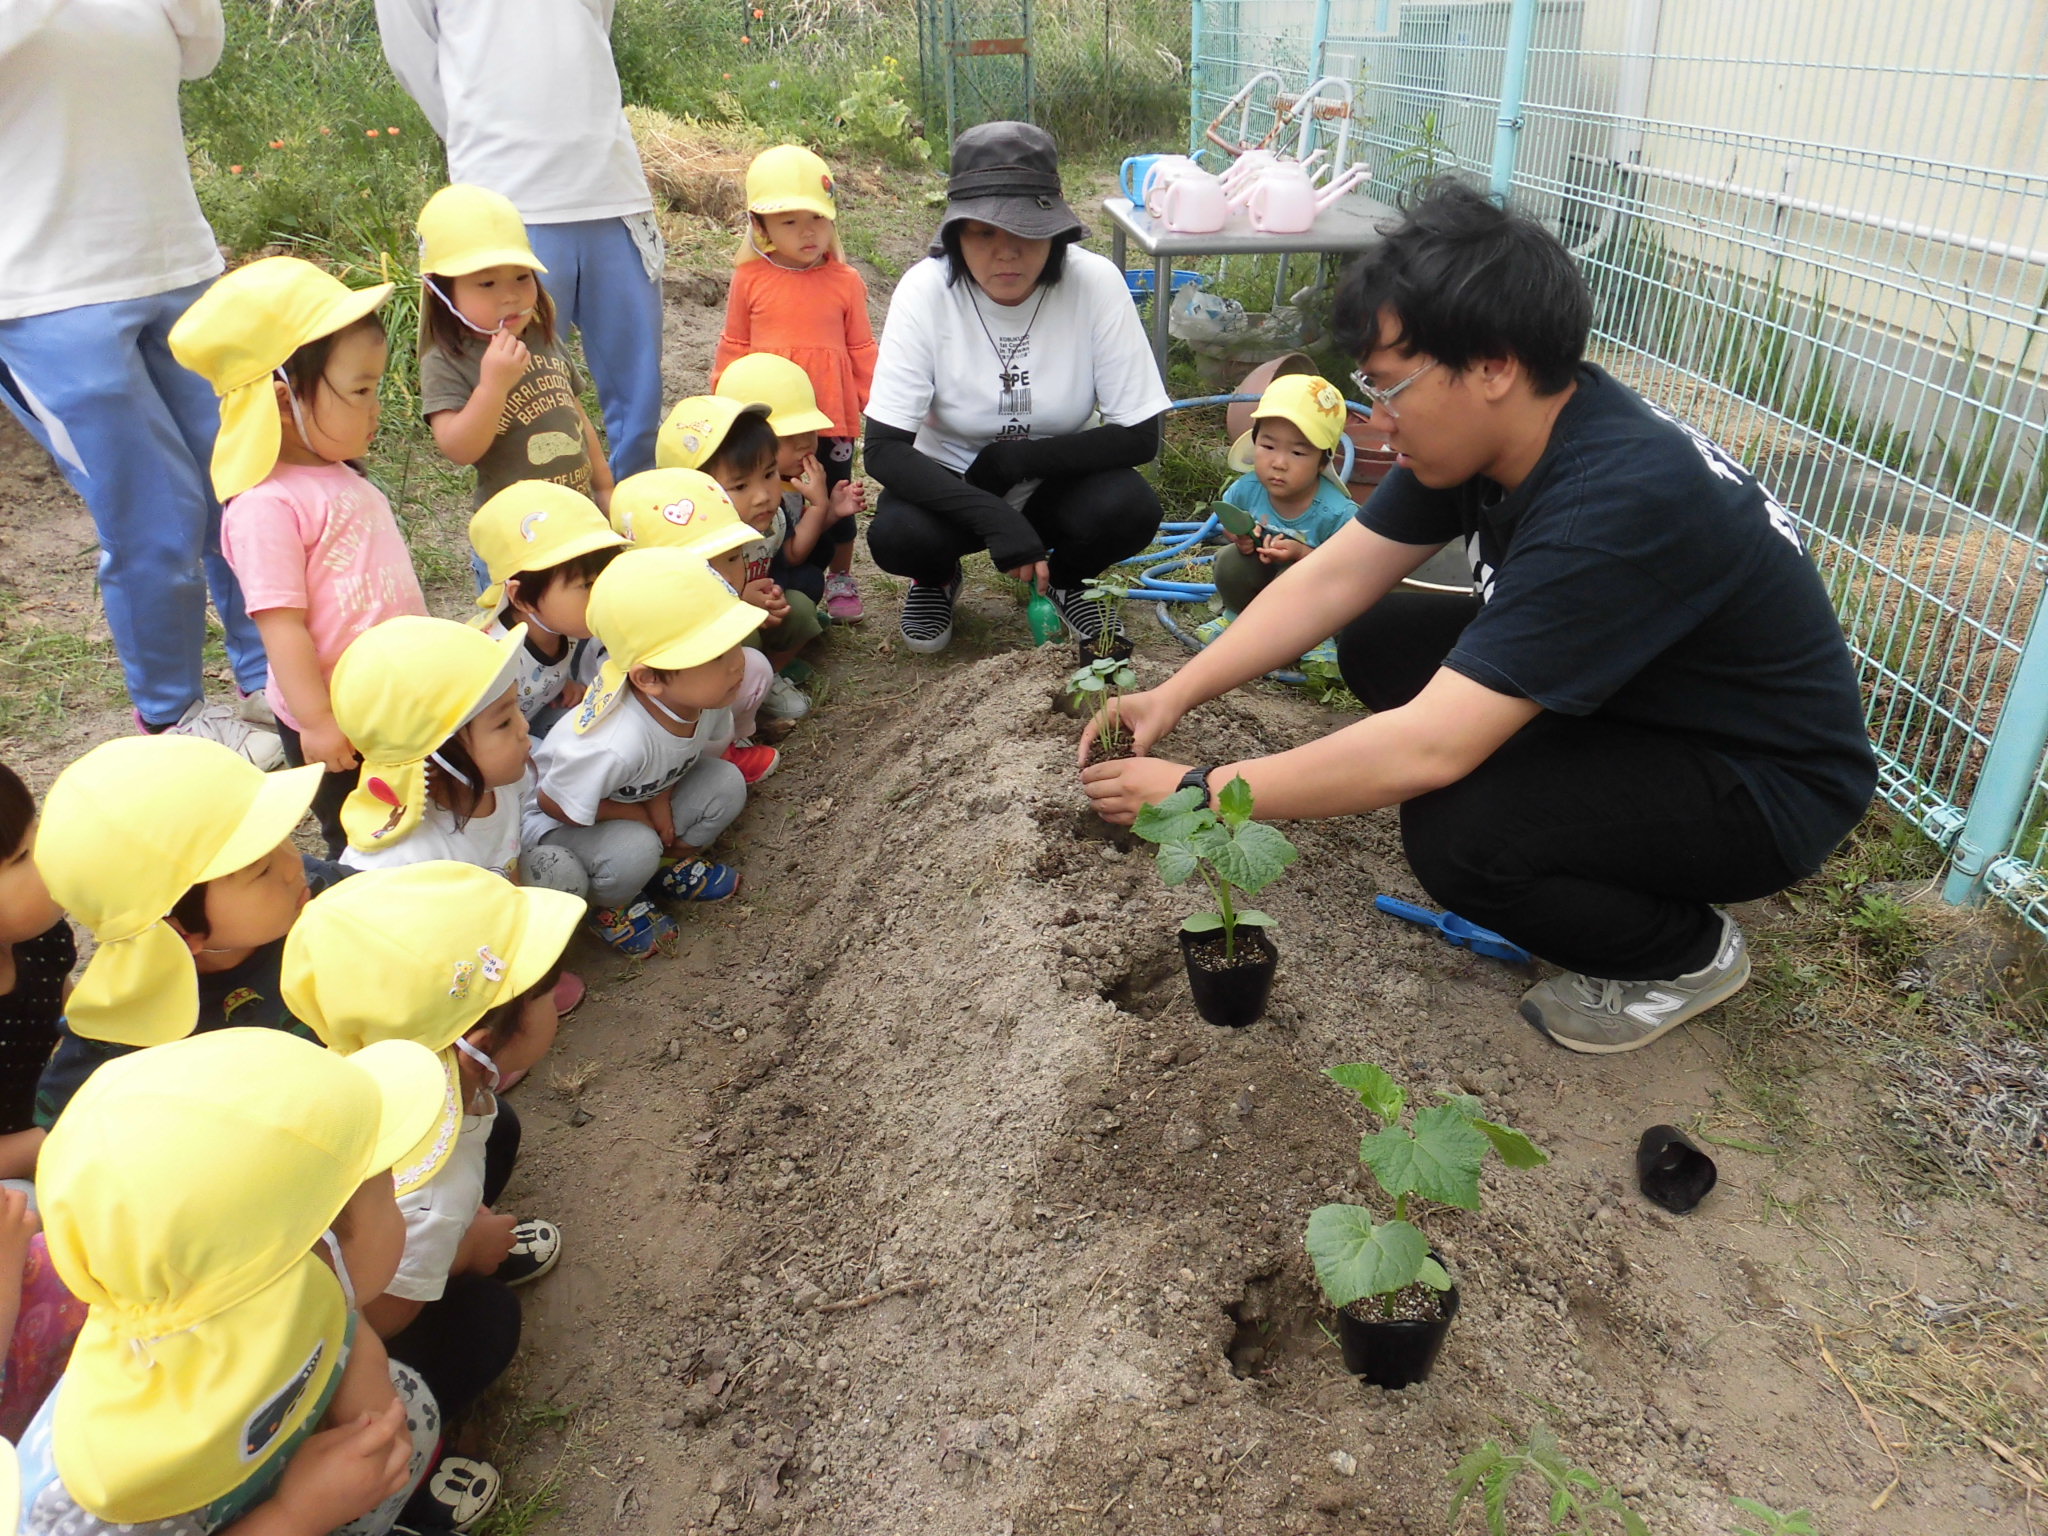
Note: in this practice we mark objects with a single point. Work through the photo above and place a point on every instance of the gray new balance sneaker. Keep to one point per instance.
(1586, 1013)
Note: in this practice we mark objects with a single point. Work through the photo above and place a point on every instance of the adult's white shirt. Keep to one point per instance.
(962, 371)
(525, 95)
(96, 201)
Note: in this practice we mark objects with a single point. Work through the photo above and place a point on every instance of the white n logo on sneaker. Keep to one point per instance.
(1651, 1008)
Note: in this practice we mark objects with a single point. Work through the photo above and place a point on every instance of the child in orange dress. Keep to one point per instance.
(794, 294)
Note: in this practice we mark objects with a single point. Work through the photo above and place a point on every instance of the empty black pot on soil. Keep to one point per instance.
(1233, 994)
(1399, 1353)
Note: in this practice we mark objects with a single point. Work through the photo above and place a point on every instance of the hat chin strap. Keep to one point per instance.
(348, 1286)
(769, 255)
(435, 289)
(679, 720)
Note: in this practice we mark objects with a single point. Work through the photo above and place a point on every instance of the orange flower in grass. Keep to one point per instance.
(234, 170)
(393, 132)
(370, 132)
(277, 143)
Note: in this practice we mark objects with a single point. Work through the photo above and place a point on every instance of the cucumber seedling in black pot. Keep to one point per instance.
(1393, 1296)
(1229, 957)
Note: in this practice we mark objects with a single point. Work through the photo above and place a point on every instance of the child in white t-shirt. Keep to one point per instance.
(542, 545)
(451, 957)
(633, 783)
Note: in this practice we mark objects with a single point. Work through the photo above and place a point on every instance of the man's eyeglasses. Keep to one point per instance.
(1383, 399)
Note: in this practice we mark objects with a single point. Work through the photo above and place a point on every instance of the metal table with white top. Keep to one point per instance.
(1346, 227)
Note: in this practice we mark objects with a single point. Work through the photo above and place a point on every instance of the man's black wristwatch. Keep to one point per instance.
(1198, 778)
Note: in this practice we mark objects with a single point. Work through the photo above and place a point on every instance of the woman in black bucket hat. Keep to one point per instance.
(1014, 398)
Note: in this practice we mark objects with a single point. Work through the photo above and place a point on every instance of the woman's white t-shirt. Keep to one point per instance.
(1070, 351)
(489, 842)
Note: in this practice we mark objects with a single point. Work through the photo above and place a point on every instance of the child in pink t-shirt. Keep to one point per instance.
(296, 358)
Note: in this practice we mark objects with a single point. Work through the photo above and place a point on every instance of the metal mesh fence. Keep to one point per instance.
(1821, 236)
(1096, 73)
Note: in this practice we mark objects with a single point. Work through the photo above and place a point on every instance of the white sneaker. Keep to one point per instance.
(220, 722)
(784, 701)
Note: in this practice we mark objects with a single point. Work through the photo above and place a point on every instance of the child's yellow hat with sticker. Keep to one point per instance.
(421, 953)
(183, 1194)
(790, 179)
(660, 608)
(127, 830)
(239, 333)
(399, 691)
(678, 509)
(534, 525)
(780, 385)
(696, 427)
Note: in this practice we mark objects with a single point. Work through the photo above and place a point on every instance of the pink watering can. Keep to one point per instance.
(1254, 163)
(1164, 173)
(1285, 202)
(1195, 204)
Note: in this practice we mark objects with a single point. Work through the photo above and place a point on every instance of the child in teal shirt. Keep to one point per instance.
(1288, 488)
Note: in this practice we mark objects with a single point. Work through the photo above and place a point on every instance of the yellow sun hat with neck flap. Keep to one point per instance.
(678, 509)
(127, 830)
(400, 690)
(185, 1196)
(661, 608)
(237, 336)
(421, 953)
(696, 427)
(534, 525)
(779, 384)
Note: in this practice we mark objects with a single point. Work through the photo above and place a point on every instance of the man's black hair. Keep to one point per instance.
(1466, 279)
(956, 263)
(747, 445)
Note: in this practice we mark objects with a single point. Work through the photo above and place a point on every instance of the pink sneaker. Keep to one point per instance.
(842, 599)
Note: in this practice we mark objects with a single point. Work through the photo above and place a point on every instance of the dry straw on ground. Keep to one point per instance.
(695, 167)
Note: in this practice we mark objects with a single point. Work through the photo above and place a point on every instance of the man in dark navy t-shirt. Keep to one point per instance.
(1646, 706)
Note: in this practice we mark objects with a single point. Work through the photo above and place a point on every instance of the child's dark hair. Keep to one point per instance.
(17, 812)
(451, 334)
(748, 444)
(535, 585)
(956, 263)
(455, 780)
(306, 369)
(501, 1024)
(189, 912)
(1466, 279)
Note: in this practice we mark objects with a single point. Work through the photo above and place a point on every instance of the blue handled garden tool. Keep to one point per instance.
(1453, 929)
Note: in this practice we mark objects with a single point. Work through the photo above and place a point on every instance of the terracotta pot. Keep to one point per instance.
(1370, 462)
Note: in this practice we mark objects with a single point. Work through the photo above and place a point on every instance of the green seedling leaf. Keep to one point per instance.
(1088, 682)
(1354, 1256)
(1234, 801)
(1151, 819)
(1203, 922)
(1376, 1090)
(1434, 1275)
(1253, 856)
(1176, 864)
(1256, 918)
(1439, 1160)
(1515, 1149)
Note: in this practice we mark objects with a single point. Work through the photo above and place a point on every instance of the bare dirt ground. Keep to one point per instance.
(911, 1197)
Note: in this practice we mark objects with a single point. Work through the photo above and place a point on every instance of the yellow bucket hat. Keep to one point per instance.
(127, 830)
(237, 335)
(696, 427)
(790, 179)
(678, 509)
(420, 953)
(182, 1194)
(534, 525)
(660, 608)
(780, 385)
(400, 690)
(465, 229)
(1313, 404)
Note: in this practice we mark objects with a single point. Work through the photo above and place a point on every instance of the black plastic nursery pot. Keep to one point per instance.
(1398, 1353)
(1235, 994)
